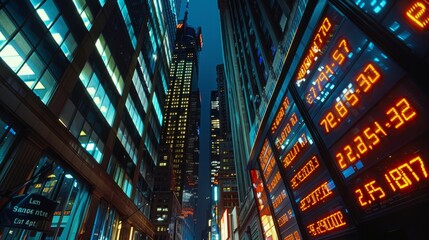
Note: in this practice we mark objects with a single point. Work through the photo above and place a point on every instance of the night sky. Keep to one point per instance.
(205, 14)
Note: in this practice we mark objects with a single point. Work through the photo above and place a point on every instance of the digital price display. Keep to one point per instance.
(265, 214)
(408, 21)
(328, 223)
(401, 116)
(282, 210)
(343, 51)
(394, 180)
(317, 45)
(297, 147)
(287, 130)
(372, 75)
(281, 114)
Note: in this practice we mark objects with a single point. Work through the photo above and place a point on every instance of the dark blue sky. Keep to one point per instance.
(205, 14)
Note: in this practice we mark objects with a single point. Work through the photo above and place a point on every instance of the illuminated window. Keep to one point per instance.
(74, 121)
(135, 116)
(110, 64)
(127, 20)
(84, 12)
(94, 88)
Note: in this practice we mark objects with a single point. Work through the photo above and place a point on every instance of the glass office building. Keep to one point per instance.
(82, 87)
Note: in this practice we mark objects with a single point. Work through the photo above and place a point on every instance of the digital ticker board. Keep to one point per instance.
(367, 110)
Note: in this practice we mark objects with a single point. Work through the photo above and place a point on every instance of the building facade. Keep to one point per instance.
(180, 137)
(82, 87)
(227, 176)
(339, 149)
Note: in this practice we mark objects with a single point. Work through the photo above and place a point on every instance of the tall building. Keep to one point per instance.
(82, 87)
(228, 191)
(223, 175)
(215, 141)
(327, 102)
(180, 136)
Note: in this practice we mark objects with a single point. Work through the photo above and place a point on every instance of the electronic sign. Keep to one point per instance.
(394, 180)
(369, 116)
(408, 21)
(372, 75)
(282, 209)
(400, 117)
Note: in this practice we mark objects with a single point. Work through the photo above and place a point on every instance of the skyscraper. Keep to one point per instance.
(328, 108)
(228, 191)
(215, 141)
(82, 90)
(223, 174)
(180, 132)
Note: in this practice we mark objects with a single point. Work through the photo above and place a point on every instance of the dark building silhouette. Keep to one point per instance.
(328, 117)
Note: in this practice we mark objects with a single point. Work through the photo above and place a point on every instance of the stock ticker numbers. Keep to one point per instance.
(401, 176)
(370, 77)
(283, 212)
(398, 118)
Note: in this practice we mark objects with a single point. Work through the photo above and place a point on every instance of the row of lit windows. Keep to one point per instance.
(84, 12)
(157, 108)
(82, 130)
(96, 91)
(143, 68)
(121, 178)
(127, 20)
(151, 148)
(135, 116)
(17, 52)
(127, 142)
(140, 91)
(110, 64)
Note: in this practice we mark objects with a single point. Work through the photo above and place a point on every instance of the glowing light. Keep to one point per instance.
(319, 41)
(303, 173)
(327, 224)
(418, 14)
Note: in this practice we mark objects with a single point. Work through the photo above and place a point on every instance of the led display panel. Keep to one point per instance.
(408, 21)
(281, 203)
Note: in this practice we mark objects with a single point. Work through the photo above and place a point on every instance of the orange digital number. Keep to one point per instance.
(337, 55)
(418, 14)
(401, 113)
(361, 144)
(341, 109)
(374, 192)
(404, 175)
(351, 97)
(368, 77)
